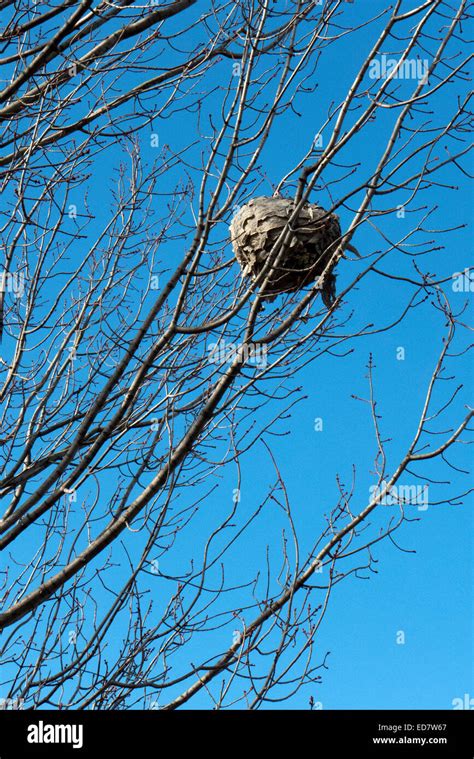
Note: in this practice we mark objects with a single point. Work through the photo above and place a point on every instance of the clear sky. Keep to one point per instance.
(403, 637)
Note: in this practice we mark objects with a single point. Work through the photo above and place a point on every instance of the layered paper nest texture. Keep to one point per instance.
(316, 234)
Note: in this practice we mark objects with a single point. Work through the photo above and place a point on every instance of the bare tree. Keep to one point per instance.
(139, 368)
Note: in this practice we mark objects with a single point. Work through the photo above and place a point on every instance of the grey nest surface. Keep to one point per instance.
(316, 235)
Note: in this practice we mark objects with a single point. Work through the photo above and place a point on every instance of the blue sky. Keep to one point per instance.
(425, 593)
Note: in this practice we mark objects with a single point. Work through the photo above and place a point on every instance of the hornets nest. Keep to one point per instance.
(316, 235)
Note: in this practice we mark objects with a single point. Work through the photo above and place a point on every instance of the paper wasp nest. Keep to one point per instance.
(257, 226)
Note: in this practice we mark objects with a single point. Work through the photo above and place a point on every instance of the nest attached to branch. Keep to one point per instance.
(316, 235)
